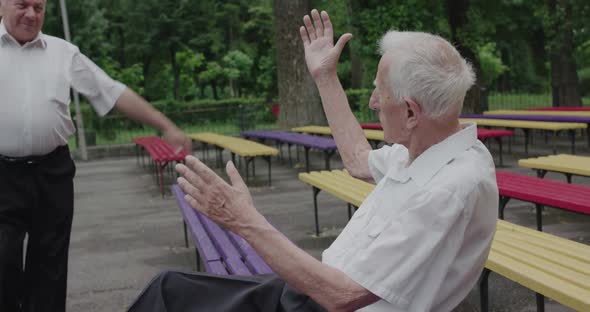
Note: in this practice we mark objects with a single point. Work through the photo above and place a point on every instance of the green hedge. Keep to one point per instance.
(244, 113)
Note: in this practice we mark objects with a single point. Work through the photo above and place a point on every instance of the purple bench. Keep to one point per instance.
(221, 251)
(307, 141)
(546, 118)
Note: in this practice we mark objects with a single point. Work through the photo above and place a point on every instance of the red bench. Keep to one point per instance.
(542, 192)
(161, 154)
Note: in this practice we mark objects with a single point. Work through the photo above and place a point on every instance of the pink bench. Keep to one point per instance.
(542, 192)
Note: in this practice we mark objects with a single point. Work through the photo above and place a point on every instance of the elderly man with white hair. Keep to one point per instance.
(417, 243)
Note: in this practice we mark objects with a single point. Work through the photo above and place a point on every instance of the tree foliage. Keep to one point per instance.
(196, 49)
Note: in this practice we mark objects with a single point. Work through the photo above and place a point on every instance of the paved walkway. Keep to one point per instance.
(124, 233)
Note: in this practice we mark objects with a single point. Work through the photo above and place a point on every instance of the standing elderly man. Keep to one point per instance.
(36, 170)
(420, 239)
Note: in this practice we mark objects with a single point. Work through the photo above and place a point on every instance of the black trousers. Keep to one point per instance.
(36, 199)
(179, 292)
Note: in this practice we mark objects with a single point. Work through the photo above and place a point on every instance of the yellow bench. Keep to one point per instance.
(538, 113)
(236, 146)
(563, 163)
(549, 265)
(526, 126)
(338, 183)
(374, 136)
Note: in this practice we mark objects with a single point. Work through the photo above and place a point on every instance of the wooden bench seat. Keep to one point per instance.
(569, 165)
(542, 192)
(246, 149)
(161, 155)
(373, 136)
(326, 145)
(221, 251)
(526, 126)
(551, 266)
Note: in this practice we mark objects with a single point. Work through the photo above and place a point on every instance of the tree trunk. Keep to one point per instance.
(564, 77)
(457, 13)
(298, 95)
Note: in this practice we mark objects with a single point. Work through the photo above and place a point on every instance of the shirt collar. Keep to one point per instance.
(38, 41)
(434, 158)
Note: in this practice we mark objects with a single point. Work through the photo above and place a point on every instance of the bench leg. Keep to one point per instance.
(328, 155)
(540, 302)
(268, 159)
(185, 236)
(554, 141)
(503, 201)
(527, 133)
(539, 209)
(541, 173)
(306, 158)
(573, 140)
(483, 290)
(316, 191)
(161, 178)
(568, 176)
(499, 139)
(290, 158)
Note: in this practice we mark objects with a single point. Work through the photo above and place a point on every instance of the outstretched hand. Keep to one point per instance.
(321, 55)
(179, 140)
(228, 205)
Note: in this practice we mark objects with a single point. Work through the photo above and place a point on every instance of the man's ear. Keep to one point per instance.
(414, 112)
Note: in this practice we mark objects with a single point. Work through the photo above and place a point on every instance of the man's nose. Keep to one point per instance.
(374, 100)
(30, 13)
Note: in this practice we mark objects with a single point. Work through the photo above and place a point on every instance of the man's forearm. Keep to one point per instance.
(328, 286)
(348, 134)
(138, 109)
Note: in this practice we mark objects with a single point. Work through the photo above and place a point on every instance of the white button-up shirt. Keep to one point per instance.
(35, 81)
(420, 240)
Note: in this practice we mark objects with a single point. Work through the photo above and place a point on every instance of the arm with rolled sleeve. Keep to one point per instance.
(104, 93)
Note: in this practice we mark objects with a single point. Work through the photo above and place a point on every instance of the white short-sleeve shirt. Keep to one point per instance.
(420, 240)
(35, 81)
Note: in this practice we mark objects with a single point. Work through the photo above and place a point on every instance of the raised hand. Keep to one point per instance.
(228, 205)
(321, 55)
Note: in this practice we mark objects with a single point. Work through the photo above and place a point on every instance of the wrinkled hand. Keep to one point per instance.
(228, 205)
(179, 140)
(321, 55)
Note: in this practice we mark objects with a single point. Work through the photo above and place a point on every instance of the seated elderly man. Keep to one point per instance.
(417, 243)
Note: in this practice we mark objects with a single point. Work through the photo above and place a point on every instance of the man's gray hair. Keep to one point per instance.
(427, 69)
